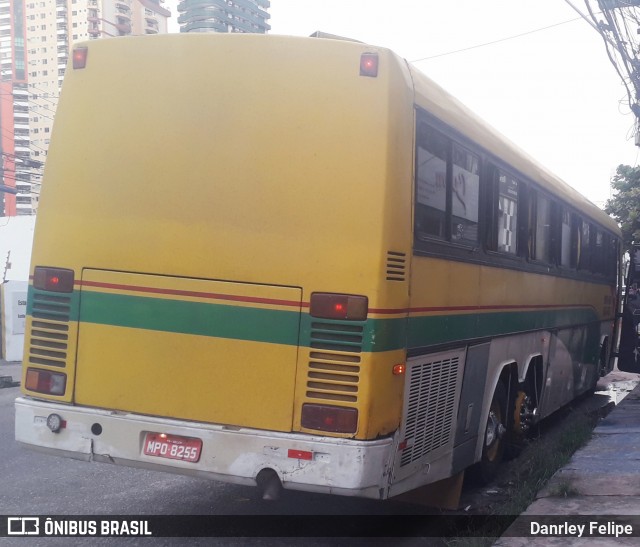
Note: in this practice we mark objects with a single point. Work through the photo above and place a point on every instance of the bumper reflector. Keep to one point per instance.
(300, 454)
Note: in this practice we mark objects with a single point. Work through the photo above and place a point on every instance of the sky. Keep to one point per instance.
(552, 92)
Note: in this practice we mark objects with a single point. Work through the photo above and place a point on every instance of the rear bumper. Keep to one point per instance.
(235, 455)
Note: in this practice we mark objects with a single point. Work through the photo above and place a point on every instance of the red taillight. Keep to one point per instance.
(339, 306)
(80, 57)
(53, 279)
(45, 381)
(336, 419)
(369, 65)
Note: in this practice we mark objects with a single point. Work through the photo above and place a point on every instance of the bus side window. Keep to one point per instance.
(565, 238)
(576, 225)
(543, 227)
(465, 195)
(432, 150)
(598, 262)
(506, 197)
(584, 258)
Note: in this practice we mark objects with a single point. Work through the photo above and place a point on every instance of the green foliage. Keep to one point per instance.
(624, 206)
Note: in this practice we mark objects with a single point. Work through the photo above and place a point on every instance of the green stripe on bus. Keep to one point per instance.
(431, 330)
(290, 327)
(198, 318)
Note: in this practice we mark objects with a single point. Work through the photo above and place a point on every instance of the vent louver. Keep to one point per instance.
(334, 363)
(430, 407)
(396, 266)
(49, 330)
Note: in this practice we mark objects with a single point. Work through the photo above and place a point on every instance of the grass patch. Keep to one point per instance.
(524, 477)
(564, 489)
(543, 457)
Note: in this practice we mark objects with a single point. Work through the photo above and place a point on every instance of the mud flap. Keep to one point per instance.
(444, 494)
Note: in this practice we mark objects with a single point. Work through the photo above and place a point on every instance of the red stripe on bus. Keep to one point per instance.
(196, 294)
(291, 303)
(382, 311)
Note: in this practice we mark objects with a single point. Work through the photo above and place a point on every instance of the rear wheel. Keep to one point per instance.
(524, 412)
(493, 446)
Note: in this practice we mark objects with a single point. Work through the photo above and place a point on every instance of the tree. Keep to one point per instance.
(624, 206)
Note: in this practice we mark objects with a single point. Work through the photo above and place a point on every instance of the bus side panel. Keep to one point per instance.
(572, 367)
(468, 425)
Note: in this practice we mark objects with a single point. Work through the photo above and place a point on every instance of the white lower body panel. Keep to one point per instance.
(235, 455)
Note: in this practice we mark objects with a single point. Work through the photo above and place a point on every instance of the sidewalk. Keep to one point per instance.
(600, 484)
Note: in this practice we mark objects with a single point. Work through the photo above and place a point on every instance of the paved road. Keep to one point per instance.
(37, 484)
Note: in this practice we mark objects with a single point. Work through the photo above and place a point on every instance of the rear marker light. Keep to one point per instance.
(339, 306)
(335, 419)
(53, 279)
(80, 57)
(369, 65)
(399, 370)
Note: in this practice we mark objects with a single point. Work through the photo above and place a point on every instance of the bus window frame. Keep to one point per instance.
(485, 251)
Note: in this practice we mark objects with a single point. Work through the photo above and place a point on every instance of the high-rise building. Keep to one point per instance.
(14, 110)
(224, 16)
(126, 17)
(36, 38)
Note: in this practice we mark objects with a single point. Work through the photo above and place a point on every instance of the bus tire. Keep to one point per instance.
(494, 439)
(523, 412)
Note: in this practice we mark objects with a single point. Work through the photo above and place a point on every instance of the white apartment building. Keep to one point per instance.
(51, 27)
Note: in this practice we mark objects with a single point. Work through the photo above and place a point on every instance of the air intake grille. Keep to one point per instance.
(334, 364)
(396, 266)
(431, 407)
(49, 330)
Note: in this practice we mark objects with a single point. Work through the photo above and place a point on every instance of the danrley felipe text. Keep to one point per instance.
(592, 529)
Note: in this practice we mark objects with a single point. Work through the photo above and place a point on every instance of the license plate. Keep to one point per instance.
(172, 447)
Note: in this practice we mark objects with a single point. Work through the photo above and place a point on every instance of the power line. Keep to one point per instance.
(496, 41)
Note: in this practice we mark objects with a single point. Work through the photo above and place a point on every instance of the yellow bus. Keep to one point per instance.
(300, 263)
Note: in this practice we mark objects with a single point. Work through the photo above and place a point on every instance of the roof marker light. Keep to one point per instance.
(369, 65)
(80, 57)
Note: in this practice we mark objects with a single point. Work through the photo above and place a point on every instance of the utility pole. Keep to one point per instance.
(617, 22)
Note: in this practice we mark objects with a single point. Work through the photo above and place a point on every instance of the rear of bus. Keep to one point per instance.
(219, 271)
